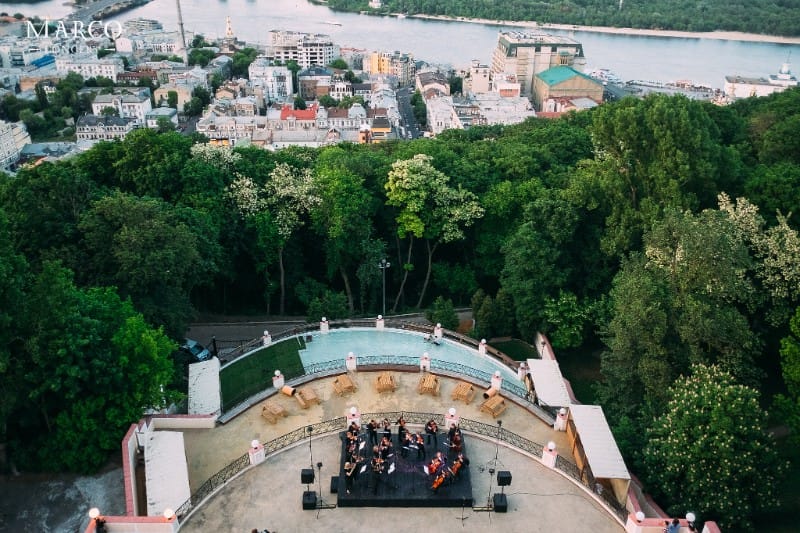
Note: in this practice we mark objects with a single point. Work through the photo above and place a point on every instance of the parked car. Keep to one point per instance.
(196, 351)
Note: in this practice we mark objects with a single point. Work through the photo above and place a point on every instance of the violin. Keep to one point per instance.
(456, 467)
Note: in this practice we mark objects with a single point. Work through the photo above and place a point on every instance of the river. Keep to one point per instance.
(704, 61)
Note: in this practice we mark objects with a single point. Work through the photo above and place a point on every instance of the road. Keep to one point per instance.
(407, 112)
(86, 13)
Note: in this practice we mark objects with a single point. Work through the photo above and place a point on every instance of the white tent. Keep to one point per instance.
(166, 471)
(548, 382)
(594, 446)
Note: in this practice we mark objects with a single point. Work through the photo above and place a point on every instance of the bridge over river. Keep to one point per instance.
(86, 13)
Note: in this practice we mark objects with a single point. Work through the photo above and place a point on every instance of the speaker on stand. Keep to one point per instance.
(499, 501)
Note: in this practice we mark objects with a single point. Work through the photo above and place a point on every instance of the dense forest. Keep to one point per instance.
(656, 234)
(758, 16)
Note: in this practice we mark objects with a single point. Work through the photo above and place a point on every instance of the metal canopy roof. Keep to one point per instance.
(601, 449)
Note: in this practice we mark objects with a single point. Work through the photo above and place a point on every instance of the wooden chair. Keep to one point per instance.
(464, 391)
(272, 412)
(306, 397)
(494, 406)
(385, 382)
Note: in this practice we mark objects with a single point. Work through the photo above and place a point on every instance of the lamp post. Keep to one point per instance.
(383, 265)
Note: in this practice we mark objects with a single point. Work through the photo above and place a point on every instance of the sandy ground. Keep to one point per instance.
(721, 35)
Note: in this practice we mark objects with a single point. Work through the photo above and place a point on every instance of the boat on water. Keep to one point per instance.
(333, 22)
(606, 76)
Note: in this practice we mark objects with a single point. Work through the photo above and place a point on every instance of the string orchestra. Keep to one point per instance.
(442, 467)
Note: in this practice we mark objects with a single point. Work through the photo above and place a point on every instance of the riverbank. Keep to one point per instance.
(716, 35)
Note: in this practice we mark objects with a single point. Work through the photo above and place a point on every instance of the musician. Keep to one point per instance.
(377, 470)
(419, 442)
(432, 430)
(354, 428)
(458, 463)
(387, 429)
(453, 432)
(405, 444)
(436, 463)
(372, 429)
(349, 475)
(456, 444)
(402, 430)
(386, 449)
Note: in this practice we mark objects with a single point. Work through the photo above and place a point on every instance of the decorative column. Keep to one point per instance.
(451, 418)
(350, 362)
(266, 340)
(482, 347)
(549, 454)
(522, 370)
(324, 327)
(277, 380)
(497, 381)
(256, 452)
(561, 420)
(353, 415)
(425, 363)
(379, 322)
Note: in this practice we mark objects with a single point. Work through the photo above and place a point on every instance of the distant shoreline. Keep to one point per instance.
(718, 35)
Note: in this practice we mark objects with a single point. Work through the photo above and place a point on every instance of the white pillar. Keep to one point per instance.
(482, 347)
(353, 415)
(379, 322)
(266, 340)
(277, 380)
(451, 417)
(324, 327)
(634, 523)
(497, 381)
(437, 331)
(425, 363)
(549, 454)
(350, 362)
(256, 452)
(522, 370)
(561, 420)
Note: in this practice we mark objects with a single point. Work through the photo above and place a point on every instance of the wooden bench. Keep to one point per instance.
(343, 384)
(464, 391)
(306, 396)
(272, 412)
(429, 384)
(494, 406)
(385, 382)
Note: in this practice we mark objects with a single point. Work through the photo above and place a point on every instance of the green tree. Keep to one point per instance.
(241, 61)
(172, 99)
(339, 64)
(709, 452)
(442, 312)
(327, 100)
(788, 405)
(429, 209)
(299, 103)
(88, 366)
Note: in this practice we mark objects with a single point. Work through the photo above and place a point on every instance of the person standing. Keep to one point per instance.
(432, 431)
(349, 475)
(372, 429)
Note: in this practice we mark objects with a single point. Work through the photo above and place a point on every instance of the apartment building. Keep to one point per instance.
(274, 81)
(93, 128)
(401, 66)
(129, 103)
(89, 66)
(307, 49)
(13, 137)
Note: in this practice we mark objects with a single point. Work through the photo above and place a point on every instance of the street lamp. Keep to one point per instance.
(383, 265)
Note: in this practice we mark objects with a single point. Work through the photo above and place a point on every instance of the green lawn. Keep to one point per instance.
(254, 373)
(517, 350)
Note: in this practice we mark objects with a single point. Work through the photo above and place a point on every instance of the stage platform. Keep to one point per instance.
(408, 485)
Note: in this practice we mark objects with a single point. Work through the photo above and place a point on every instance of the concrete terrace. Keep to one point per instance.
(269, 495)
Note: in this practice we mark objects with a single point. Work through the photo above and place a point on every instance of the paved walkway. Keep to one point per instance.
(269, 495)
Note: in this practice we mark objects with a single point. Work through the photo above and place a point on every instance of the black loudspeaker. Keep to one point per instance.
(500, 503)
(503, 478)
(307, 476)
(334, 484)
(310, 500)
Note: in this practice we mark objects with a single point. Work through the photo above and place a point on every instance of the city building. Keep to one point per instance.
(307, 49)
(91, 129)
(479, 79)
(183, 93)
(89, 66)
(13, 137)
(564, 82)
(314, 82)
(275, 81)
(139, 25)
(401, 66)
(432, 84)
(526, 54)
(149, 42)
(154, 116)
(740, 87)
(133, 103)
